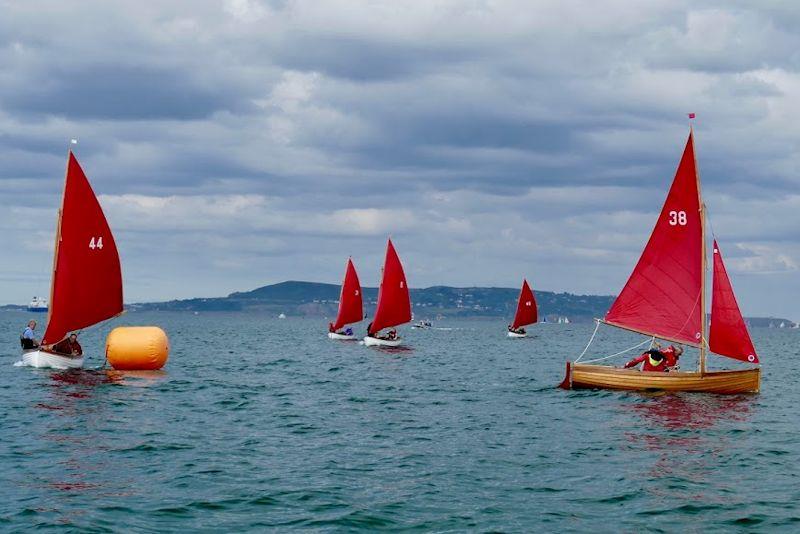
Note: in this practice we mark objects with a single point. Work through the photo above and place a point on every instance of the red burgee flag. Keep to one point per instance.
(729, 336)
(691, 115)
(662, 296)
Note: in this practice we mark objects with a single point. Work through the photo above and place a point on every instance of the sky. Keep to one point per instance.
(237, 143)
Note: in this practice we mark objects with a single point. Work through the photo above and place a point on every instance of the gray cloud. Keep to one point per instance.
(245, 142)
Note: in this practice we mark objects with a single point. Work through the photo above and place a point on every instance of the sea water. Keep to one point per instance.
(259, 423)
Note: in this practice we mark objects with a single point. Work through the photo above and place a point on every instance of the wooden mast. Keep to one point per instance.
(701, 362)
(58, 240)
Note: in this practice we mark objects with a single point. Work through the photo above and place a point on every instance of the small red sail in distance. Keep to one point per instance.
(662, 295)
(394, 302)
(728, 334)
(351, 308)
(87, 278)
(526, 307)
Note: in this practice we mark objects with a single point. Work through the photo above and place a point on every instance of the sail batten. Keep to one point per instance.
(663, 294)
(728, 335)
(351, 308)
(526, 307)
(394, 302)
(87, 278)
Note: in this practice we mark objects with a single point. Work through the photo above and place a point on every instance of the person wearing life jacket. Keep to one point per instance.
(671, 354)
(651, 360)
(28, 338)
(331, 329)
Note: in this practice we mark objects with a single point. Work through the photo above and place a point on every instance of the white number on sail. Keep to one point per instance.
(401, 285)
(528, 303)
(98, 243)
(677, 218)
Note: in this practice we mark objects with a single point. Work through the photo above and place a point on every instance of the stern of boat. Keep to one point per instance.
(567, 382)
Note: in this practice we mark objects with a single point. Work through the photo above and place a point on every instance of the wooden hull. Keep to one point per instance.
(582, 376)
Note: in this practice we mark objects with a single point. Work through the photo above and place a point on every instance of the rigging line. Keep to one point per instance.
(618, 353)
(596, 328)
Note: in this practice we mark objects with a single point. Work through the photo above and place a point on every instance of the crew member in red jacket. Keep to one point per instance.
(651, 360)
(671, 354)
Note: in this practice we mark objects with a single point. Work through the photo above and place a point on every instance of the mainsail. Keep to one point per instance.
(663, 294)
(728, 333)
(351, 309)
(526, 307)
(87, 278)
(394, 303)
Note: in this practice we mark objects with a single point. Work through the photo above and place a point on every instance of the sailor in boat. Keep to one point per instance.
(28, 338)
(391, 335)
(658, 358)
(69, 346)
(519, 330)
(651, 360)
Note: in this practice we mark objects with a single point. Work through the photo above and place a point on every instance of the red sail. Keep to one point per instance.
(728, 334)
(394, 303)
(351, 310)
(87, 279)
(526, 307)
(662, 296)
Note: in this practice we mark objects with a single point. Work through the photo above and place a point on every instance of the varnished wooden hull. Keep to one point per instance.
(581, 376)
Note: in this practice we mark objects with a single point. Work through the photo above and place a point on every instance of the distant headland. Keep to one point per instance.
(314, 299)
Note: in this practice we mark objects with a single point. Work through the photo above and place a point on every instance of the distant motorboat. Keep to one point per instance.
(422, 324)
(282, 316)
(37, 305)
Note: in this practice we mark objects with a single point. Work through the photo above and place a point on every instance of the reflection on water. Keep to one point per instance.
(676, 431)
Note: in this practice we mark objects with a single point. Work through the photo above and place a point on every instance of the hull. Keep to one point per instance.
(341, 337)
(582, 376)
(378, 342)
(515, 335)
(43, 359)
(37, 309)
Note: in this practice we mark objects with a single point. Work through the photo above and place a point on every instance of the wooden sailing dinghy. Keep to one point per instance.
(394, 302)
(351, 307)
(86, 286)
(665, 298)
(526, 312)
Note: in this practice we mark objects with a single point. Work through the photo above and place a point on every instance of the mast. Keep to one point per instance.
(701, 362)
(58, 239)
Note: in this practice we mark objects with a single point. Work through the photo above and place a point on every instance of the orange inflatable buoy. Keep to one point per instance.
(137, 348)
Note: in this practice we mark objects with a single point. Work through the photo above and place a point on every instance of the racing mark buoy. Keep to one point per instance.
(137, 348)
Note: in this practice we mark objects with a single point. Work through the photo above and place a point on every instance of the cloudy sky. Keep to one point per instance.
(242, 142)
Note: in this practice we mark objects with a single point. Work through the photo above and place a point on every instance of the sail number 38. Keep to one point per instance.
(96, 243)
(677, 218)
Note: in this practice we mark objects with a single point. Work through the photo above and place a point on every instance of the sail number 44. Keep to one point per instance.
(677, 218)
(96, 243)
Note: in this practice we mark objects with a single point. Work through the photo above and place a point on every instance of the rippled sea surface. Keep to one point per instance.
(259, 424)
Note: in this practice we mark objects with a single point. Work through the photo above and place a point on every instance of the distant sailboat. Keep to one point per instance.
(351, 308)
(394, 302)
(665, 298)
(526, 312)
(86, 286)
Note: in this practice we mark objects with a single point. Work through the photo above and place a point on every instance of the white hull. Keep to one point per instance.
(342, 337)
(42, 359)
(515, 335)
(377, 342)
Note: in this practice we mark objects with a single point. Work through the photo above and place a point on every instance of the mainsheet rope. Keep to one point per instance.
(651, 340)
